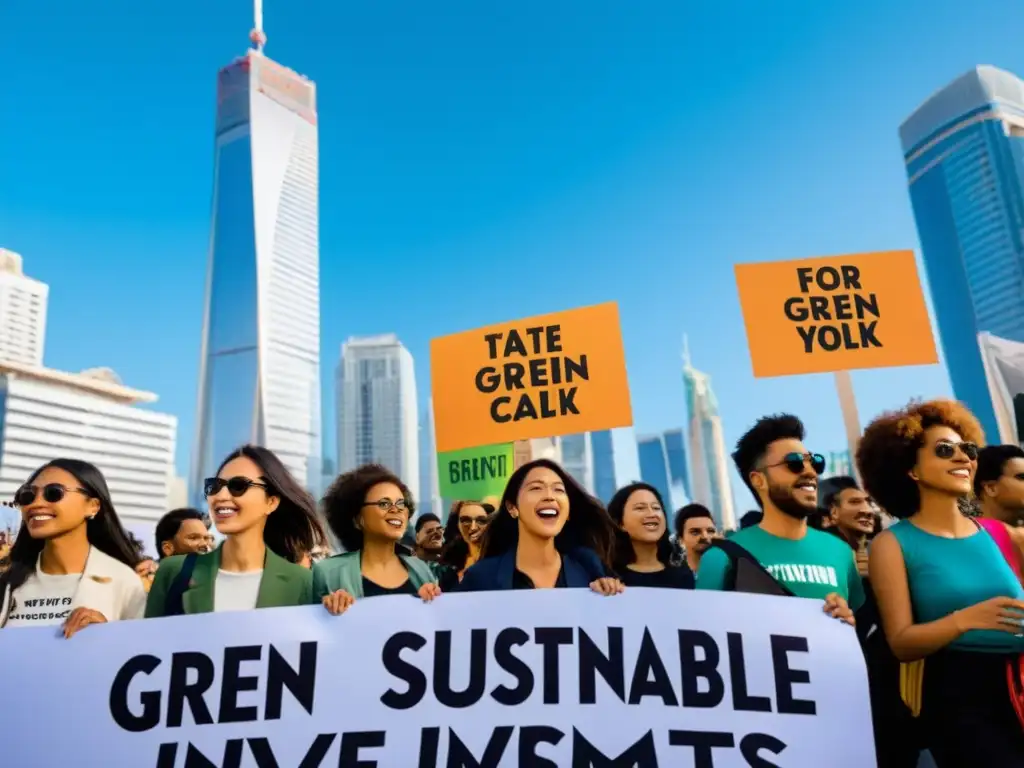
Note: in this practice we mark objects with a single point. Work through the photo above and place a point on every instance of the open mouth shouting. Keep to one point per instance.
(652, 524)
(548, 512)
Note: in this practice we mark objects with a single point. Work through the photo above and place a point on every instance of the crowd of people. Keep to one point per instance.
(924, 557)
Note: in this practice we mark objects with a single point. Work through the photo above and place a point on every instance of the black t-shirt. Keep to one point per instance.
(670, 577)
(373, 589)
(521, 581)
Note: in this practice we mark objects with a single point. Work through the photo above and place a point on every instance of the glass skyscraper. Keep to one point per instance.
(964, 154)
(678, 469)
(259, 377)
(654, 466)
(602, 451)
(709, 462)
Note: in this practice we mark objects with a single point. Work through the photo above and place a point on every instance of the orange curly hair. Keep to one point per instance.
(888, 449)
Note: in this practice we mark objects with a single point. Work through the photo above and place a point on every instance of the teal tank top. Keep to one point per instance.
(945, 575)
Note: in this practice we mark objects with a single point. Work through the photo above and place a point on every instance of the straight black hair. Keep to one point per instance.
(588, 524)
(293, 529)
(171, 523)
(104, 531)
(456, 548)
(624, 552)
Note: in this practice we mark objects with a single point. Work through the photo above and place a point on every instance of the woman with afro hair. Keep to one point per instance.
(945, 593)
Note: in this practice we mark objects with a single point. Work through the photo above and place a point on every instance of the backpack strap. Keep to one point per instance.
(175, 606)
(738, 555)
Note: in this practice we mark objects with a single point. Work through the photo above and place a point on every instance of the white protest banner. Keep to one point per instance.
(545, 678)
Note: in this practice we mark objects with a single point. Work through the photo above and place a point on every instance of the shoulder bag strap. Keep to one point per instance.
(738, 555)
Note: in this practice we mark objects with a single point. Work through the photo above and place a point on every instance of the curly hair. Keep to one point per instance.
(752, 446)
(343, 502)
(888, 450)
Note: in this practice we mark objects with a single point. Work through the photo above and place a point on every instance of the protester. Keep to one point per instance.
(547, 532)
(182, 532)
(852, 516)
(268, 521)
(429, 537)
(467, 521)
(644, 551)
(71, 554)
(751, 519)
(368, 509)
(695, 530)
(944, 590)
(999, 489)
(783, 476)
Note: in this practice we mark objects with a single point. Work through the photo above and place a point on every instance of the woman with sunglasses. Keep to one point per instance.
(368, 509)
(467, 521)
(72, 562)
(945, 593)
(548, 532)
(268, 522)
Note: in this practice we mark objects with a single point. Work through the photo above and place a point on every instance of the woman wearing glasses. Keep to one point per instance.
(467, 521)
(71, 563)
(945, 593)
(369, 509)
(268, 522)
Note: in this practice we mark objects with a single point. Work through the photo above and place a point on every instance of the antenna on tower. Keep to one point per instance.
(686, 351)
(257, 36)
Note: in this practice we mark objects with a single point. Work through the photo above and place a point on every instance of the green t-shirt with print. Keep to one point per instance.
(815, 566)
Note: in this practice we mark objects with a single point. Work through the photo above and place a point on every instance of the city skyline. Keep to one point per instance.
(259, 376)
(634, 203)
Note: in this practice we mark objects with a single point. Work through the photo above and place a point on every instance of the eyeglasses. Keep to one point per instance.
(237, 486)
(795, 462)
(52, 493)
(386, 505)
(946, 449)
(478, 521)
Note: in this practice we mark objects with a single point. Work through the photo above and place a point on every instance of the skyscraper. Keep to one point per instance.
(964, 153)
(678, 469)
(378, 418)
(709, 462)
(654, 465)
(259, 378)
(22, 312)
(577, 459)
(602, 453)
(430, 483)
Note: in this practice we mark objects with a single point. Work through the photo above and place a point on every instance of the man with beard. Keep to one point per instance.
(429, 537)
(783, 476)
(852, 516)
(695, 530)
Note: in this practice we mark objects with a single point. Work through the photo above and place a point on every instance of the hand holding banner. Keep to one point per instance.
(539, 678)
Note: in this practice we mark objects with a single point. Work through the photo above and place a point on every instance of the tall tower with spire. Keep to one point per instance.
(709, 460)
(259, 375)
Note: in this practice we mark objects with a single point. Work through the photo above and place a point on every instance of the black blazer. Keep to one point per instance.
(579, 565)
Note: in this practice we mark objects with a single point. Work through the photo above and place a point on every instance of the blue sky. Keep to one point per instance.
(481, 162)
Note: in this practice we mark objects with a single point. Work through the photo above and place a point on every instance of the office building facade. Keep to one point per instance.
(709, 461)
(94, 417)
(378, 418)
(654, 465)
(964, 155)
(259, 375)
(22, 313)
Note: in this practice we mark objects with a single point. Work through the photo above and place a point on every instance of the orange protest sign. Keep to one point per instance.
(542, 376)
(836, 313)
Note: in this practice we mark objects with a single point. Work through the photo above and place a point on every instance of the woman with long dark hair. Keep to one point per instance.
(643, 553)
(368, 510)
(464, 531)
(548, 532)
(71, 562)
(951, 606)
(269, 523)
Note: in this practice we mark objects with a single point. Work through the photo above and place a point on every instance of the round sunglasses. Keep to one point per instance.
(795, 462)
(52, 493)
(237, 486)
(946, 449)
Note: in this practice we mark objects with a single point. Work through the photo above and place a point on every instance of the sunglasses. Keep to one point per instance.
(795, 462)
(237, 486)
(52, 493)
(468, 521)
(944, 449)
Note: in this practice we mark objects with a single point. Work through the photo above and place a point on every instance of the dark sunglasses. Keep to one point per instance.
(944, 449)
(237, 486)
(52, 493)
(467, 521)
(795, 462)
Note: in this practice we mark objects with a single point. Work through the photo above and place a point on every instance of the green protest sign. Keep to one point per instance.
(474, 473)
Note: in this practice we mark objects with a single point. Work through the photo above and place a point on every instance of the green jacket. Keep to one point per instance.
(283, 584)
(345, 571)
